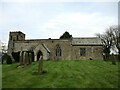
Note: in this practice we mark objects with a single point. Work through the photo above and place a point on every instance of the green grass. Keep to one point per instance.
(0, 76)
(62, 74)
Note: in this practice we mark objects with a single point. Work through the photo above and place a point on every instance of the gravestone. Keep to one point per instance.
(25, 58)
(21, 58)
(30, 58)
(40, 65)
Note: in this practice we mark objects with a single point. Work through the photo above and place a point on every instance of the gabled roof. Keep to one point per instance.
(86, 41)
(46, 48)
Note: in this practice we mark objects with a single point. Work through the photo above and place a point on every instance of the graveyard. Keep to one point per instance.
(62, 74)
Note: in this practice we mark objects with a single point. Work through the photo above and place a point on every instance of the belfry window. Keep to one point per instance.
(58, 51)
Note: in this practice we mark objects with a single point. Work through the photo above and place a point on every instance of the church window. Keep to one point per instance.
(82, 51)
(58, 51)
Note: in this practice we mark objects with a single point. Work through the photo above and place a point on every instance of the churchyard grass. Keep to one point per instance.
(62, 74)
(0, 76)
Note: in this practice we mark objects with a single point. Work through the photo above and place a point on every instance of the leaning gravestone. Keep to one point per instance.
(40, 65)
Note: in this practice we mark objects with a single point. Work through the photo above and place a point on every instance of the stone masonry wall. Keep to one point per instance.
(69, 52)
(50, 44)
(94, 52)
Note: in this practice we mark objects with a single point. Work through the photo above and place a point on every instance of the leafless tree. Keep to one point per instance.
(116, 36)
(110, 39)
(107, 41)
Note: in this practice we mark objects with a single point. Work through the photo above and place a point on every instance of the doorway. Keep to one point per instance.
(39, 54)
(16, 56)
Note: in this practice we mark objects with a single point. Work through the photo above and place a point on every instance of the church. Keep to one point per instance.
(55, 49)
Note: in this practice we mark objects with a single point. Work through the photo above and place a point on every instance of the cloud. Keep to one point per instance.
(51, 20)
(78, 24)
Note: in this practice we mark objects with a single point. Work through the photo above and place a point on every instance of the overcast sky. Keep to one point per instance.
(40, 20)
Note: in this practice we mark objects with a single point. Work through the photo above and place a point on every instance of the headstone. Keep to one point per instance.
(24, 58)
(40, 65)
(21, 58)
(30, 58)
(27, 58)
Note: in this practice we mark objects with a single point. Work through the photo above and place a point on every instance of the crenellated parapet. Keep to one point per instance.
(16, 36)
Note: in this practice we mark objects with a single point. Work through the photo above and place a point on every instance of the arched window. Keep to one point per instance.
(58, 51)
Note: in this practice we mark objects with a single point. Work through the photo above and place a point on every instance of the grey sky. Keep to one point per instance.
(52, 19)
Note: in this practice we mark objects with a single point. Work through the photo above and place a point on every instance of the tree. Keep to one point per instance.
(6, 58)
(107, 41)
(66, 35)
(116, 36)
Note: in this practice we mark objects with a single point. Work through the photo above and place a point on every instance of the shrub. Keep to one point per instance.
(6, 58)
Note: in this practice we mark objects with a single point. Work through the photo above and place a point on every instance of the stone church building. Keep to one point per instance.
(55, 49)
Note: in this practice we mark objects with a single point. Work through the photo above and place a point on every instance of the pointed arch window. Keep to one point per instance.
(58, 51)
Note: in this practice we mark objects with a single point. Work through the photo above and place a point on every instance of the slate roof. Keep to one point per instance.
(86, 41)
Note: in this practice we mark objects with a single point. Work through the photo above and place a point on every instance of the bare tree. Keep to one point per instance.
(107, 41)
(116, 36)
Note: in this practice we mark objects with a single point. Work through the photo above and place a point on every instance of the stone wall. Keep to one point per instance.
(93, 52)
(69, 52)
(65, 46)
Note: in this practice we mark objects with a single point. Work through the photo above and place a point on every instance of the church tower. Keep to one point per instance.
(14, 36)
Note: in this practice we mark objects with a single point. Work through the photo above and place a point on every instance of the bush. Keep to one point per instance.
(6, 58)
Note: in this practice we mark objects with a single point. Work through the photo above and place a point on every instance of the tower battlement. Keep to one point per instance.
(16, 36)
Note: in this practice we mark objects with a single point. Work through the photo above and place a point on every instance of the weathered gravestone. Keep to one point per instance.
(30, 58)
(21, 58)
(40, 65)
(25, 57)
